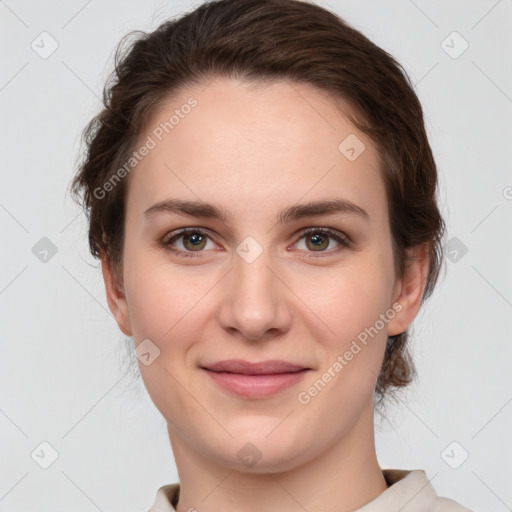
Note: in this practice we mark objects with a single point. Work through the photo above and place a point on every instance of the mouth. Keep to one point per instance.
(271, 367)
(255, 380)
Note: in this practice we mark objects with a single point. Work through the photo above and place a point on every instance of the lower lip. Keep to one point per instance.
(255, 386)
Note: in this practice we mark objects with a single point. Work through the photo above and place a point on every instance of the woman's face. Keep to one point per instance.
(254, 286)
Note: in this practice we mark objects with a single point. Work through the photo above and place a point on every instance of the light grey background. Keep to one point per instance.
(62, 375)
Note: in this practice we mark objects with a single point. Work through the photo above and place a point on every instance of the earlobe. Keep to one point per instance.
(409, 289)
(116, 296)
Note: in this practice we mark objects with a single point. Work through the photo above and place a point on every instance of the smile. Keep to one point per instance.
(256, 386)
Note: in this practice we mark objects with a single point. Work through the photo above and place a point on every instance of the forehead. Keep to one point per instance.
(278, 141)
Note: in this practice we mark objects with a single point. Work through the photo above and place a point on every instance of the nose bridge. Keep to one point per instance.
(255, 299)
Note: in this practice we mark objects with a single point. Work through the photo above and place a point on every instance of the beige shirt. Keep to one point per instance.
(408, 491)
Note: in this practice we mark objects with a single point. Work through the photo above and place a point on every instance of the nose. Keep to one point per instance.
(255, 301)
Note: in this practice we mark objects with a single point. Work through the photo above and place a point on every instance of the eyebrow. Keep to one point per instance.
(288, 214)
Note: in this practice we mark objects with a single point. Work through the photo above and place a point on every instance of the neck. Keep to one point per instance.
(342, 478)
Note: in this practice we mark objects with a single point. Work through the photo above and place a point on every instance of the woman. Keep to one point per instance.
(262, 196)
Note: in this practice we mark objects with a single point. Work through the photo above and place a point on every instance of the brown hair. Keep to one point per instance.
(258, 41)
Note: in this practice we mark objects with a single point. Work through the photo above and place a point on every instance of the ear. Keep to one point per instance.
(115, 296)
(409, 289)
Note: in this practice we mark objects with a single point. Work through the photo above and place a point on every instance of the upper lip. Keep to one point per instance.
(262, 368)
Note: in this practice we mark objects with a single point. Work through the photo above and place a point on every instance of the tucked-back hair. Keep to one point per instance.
(261, 41)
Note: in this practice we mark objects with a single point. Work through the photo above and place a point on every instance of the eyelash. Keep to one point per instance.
(335, 235)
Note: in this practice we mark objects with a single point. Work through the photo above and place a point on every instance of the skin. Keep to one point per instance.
(255, 150)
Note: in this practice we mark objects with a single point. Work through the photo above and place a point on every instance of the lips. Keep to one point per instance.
(272, 367)
(255, 381)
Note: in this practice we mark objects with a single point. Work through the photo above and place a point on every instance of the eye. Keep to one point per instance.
(318, 239)
(192, 240)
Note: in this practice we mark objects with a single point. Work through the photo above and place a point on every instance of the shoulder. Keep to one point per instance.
(441, 504)
(166, 498)
(413, 491)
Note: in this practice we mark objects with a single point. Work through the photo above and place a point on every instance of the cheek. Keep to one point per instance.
(351, 306)
(159, 299)
(354, 347)
(166, 308)
(348, 299)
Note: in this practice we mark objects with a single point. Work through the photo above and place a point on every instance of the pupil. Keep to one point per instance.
(195, 239)
(318, 240)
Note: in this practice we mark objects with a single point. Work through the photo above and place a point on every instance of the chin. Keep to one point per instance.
(269, 432)
(250, 460)
(262, 448)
